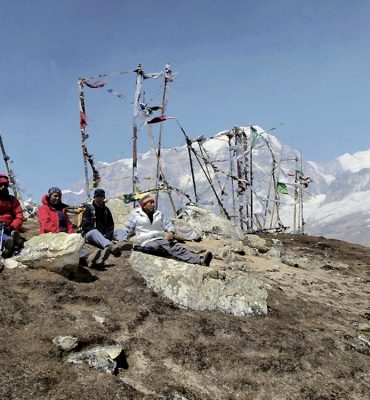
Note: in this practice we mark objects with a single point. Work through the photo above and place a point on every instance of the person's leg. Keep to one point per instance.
(95, 238)
(7, 246)
(178, 252)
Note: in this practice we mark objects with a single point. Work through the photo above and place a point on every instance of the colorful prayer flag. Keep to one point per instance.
(282, 188)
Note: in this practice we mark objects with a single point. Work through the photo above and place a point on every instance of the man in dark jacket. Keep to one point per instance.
(11, 219)
(98, 226)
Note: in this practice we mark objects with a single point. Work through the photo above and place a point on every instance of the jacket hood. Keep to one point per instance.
(45, 201)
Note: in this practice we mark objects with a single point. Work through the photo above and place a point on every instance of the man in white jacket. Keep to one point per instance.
(155, 234)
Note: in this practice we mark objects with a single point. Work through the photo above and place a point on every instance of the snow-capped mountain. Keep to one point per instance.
(336, 201)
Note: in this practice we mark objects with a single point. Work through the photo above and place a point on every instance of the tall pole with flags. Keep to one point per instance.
(138, 93)
(11, 176)
(83, 123)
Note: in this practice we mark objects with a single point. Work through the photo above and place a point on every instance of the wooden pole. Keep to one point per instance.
(11, 176)
(83, 139)
(229, 136)
(139, 79)
(295, 196)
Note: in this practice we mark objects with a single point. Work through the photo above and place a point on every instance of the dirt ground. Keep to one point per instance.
(308, 346)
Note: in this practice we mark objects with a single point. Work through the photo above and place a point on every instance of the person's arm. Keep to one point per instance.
(18, 214)
(168, 227)
(43, 216)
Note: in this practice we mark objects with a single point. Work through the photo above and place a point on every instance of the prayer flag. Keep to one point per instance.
(282, 188)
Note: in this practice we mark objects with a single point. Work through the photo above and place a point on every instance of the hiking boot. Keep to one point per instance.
(115, 249)
(206, 259)
(124, 245)
(8, 247)
(93, 257)
(18, 241)
(105, 253)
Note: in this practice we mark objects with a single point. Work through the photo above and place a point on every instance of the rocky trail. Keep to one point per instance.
(313, 344)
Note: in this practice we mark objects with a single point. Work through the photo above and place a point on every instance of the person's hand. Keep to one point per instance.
(170, 236)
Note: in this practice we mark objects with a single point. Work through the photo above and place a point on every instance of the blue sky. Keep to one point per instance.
(301, 63)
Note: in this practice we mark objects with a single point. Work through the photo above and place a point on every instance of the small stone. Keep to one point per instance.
(66, 342)
(100, 357)
(99, 319)
(364, 327)
(277, 242)
(10, 263)
(175, 396)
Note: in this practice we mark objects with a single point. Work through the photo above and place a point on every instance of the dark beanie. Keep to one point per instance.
(99, 192)
(54, 189)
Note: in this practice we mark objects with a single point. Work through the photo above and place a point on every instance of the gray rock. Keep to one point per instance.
(209, 223)
(336, 266)
(274, 253)
(66, 342)
(100, 357)
(249, 251)
(52, 251)
(175, 396)
(99, 319)
(298, 262)
(10, 263)
(229, 250)
(188, 233)
(201, 288)
(361, 344)
(277, 243)
(256, 242)
(119, 210)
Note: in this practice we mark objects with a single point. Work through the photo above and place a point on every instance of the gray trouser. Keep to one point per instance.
(95, 238)
(174, 250)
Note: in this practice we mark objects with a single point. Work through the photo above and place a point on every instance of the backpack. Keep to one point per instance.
(80, 210)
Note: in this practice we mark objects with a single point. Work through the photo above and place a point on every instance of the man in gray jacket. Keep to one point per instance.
(156, 234)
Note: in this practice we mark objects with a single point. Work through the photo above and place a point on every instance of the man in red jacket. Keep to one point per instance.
(11, 219)
(53, 217)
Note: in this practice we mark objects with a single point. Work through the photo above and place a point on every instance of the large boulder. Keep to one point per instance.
(201, 288)
(209, 223)
(120, 211)
(55, 252)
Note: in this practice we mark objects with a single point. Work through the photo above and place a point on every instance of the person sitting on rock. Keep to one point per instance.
(53, 217)
(11, 220)
(98, 225)
(156, 234)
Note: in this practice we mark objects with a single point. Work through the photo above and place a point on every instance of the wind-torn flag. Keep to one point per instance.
(83, 120)
(155, 120)
(282, 188)
(95, 85)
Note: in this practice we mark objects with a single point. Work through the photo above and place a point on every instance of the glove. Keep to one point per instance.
(8, 230)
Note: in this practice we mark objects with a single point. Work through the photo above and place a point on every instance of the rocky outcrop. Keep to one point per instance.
(209, 223)
(201, 288)
(56, 252)
(120, 211)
